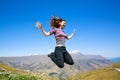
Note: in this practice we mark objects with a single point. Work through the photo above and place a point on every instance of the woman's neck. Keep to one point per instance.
(61, 27)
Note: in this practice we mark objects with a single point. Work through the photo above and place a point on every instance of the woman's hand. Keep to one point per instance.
(39, 25)
(74, 31)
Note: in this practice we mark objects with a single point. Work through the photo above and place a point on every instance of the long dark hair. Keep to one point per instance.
(55, 21)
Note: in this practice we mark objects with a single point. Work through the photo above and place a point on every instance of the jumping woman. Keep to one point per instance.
(60, 54)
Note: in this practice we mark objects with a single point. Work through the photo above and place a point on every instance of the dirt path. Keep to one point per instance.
(118, 69)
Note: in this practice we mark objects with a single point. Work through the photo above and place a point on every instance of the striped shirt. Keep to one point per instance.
(59, 35)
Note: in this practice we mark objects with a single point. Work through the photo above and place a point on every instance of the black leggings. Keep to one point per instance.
(60, 56)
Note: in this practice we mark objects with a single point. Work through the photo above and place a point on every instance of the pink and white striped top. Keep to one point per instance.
(59, 35)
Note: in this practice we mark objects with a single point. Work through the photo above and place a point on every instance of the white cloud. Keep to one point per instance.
(74, 52)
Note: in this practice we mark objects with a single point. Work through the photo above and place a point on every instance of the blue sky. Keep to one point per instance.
(97, 24)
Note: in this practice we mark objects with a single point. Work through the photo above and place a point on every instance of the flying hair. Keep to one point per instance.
(55, 21)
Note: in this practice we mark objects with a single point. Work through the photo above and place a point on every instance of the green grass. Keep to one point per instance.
(10, 73)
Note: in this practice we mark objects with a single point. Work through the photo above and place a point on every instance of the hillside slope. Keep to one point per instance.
(108, 73)
(10, 73)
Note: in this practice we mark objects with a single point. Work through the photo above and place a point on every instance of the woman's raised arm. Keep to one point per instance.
(38, 24)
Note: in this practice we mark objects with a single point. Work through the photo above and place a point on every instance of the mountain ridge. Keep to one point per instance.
(42, 63)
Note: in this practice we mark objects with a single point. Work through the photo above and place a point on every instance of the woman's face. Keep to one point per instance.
(62, 24)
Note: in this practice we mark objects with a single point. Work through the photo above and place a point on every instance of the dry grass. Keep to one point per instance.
(108, 73)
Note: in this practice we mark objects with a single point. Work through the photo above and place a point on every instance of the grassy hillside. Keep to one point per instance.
(108, 73)
(10, 73)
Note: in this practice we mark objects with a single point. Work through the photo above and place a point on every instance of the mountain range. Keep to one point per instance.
(116, 59)
(42, 64)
